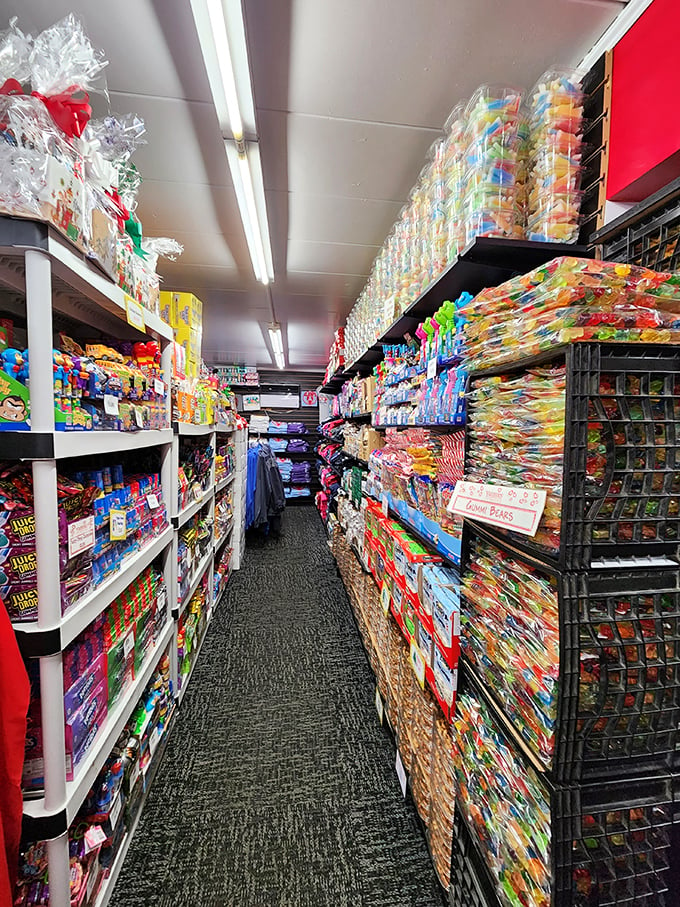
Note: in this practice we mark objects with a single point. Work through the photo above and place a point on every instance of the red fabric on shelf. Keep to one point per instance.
(15, 695)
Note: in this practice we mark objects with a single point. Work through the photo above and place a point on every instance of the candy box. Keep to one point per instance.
(89, 681)
(446, 622)
(445, 682)
(424, 639)
(15, 406)
(88, 718)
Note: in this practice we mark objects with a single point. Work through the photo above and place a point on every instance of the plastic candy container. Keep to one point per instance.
(510, 631)
(565, 300)
(492, 140)
(517, 438)
(555, 119)
(505, 806)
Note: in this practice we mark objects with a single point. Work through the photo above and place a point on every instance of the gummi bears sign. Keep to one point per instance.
(508, 506)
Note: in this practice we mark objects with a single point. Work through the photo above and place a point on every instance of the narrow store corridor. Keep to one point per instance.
(278, 785)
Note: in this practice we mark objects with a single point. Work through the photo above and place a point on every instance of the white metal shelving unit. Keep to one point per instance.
(47, 281)
(57, 283)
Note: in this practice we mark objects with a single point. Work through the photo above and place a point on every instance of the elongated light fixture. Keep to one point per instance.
(222, 36)
(277, 343)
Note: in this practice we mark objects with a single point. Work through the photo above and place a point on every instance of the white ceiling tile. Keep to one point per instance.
(335, 258)
(399, 62)
(357, 160)
(183, 140)
(331, 218)
(166, 207)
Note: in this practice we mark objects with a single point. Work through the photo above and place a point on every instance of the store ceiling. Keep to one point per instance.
(349, 97)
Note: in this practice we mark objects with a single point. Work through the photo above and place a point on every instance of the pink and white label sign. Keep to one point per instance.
(509, 506)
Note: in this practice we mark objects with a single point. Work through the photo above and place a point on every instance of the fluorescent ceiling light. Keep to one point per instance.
(222, 36)
(226, 69)
(275, 337)
(280, 361)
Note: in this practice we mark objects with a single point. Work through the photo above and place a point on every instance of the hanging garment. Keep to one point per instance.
(251, 481)
(14, 701)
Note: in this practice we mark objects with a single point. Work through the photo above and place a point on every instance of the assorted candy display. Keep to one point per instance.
(222, 572)
(505, 806)
(195, 470)
(124, 513)
(111, 806)
(98, 665)
(224, 513)
(565, 300)
(504, 167)
(516, 431)
(224, 460)
(194, 542)
(191, 629)
(115, 387)
(510, 622)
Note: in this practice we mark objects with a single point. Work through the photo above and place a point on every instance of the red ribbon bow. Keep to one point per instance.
(122, 213)
(70, 113)
(11, 87)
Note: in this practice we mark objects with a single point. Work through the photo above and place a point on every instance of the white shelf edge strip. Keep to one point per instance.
(92, 604)
(74, 267)
(87, 771)
(81, 443)
(191, 509)
(224, 483)
(196, 580)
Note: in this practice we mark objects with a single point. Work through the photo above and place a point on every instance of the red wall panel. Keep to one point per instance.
(645, 112)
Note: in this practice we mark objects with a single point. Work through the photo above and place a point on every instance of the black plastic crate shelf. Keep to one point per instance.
(609, 844)
(617, 697)
(621, 474)
(648, 234)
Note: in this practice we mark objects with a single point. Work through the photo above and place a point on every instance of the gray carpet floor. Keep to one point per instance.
(278, 788)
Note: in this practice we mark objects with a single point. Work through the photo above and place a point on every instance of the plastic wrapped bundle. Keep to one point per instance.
(443, 800)
(516, 432)
(505, 807)
(455, 169)
(492, 138)
(566, 300)
(556, 123)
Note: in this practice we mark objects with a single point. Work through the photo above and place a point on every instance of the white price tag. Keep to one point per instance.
(509, 506)
(158, 386)
(110, 405)
(154, 740)
(385, 506)
(94, 838)
(385, 597)
(432, 368)
(117, 528)
(129, 643)
(152, 501)
(135, 314)
(401, 774)
(134, 774)
(418, 664)
(80, 536)
(114, 812)
(139, 417)
(379, 705)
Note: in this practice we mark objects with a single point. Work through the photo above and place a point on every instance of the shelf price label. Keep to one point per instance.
(510, 506)
(139, 417)
(94, 838)
(128, 643)
(135, 314)
(385, 596)
(401, 774)
(432, 368)
(111, 405)
(117, 527)
(80, 536)
(379, 705)
(418, 664)
(385, 505)
(152, 501)
(158, 387)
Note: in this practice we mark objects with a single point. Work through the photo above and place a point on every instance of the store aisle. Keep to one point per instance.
(278, 785)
